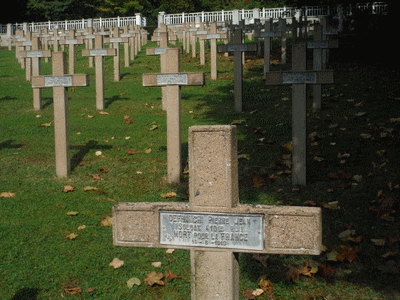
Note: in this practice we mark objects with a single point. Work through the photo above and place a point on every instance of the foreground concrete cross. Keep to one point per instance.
(299, 79)
(60, 83)
(172, 79)
(99, 53)
(214, 225)
(238, 48)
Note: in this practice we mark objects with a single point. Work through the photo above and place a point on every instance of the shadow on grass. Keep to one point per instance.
(9, 145)
(83, 150)
(112, 99)
(46, 102)
(7, 97)
(26, 294)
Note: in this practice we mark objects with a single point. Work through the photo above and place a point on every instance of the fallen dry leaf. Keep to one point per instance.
(81, 227)
(378, 242)
(116, 263)
(133, 281)
(89, 188)
(7, 194)
(68, 188)
(156, 264)
(89, 290)
(106, 222)
(169, 275)
(258, 292)
(73, 290)
(147, 151)
(103, 113)
(72, 236)
(95, 176)
(131, 151)
(154, 278)
(266, 285)
(72, 213)
(170, 251)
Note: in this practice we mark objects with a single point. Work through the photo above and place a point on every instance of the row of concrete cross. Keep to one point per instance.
(214, 225)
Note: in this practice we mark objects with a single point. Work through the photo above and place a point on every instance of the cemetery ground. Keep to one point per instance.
(55, 234)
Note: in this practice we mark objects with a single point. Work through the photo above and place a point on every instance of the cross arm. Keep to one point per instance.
(189, 78)
(35, 53)
(62, 80)
(99, 52)
(244, 228)
(238, 47)
(305, 77)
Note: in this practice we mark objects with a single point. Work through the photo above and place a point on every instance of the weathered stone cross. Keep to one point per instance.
(99, 53)
(60, 83)
(238, 48)
(299, 79)
(172, 79)
(214, 225)
(34, 55)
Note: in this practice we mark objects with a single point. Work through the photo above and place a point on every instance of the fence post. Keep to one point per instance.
(235, 17)
(138, 19)
(161, 16)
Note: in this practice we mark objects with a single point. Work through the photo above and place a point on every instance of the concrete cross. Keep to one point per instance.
(71, 41)
(99, 53)
(35, 54)
(318, 45)
(238, 48)
(268, 34)
(173, 80)
(214, 225)
(213, 36)
(60, 83)
(299, 78)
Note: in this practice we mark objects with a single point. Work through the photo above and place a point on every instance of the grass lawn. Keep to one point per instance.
(119, 155)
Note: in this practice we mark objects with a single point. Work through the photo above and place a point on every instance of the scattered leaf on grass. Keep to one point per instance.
(131, 151)
(89, 188)
(378, 242)
(170, 251)
(89, 290)
(360, 114)
(169, 275)
(106, 222)
(95, 176)
(154, 278)
(68, 188)
(127, 120)
(45, 124)
(266, 285)
(156, 264)
(133, 281)
(73, 290)
(103, 113)
(72, 213)
(71, 236)
(148, 151)
(81, 227)
(257, 292)
(7, 194)
(98, 153)
(245, 156)
(116, 263)
(154, 127)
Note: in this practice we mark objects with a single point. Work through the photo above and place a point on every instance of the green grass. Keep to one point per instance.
(37, 261)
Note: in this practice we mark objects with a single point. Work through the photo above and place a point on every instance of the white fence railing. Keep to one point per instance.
(77, 24)
(266, 13)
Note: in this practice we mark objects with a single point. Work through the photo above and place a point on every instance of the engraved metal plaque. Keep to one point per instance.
(116, 40)
(267, 34)
(71, 42)
(213, 36)
(299, 78)
(125, 35)
(201, 32)
(98, 52)
(161, 50)
(234, 48)
(318, 44)
(172, 79)
(53, 81)
(212, 230)
(34, 53)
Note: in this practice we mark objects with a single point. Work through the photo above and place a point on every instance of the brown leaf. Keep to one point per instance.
(95, 176)
(103, 171)
(326, 270)
(131, 151)
(169, 275)
(72, 236)
(106, 222)
(89, 290)
(293, 273)
(266, 285)
(127, 120)
(248, 295)
(7, 194)
(68, 188)
(147, 151)
(154, 278)
(73, 290)
(261, 258)
(257, 180)
(116, 263)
